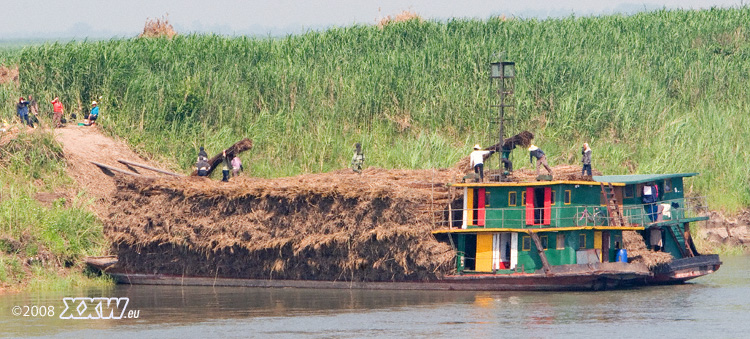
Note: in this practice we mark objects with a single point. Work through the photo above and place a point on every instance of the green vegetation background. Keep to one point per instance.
(664, 91)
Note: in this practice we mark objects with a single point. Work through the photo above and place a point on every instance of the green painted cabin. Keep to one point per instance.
(575, 222)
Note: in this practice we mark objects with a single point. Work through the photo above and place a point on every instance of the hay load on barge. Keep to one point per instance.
(403, 230)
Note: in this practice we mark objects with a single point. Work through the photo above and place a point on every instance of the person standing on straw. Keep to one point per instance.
(236, 166)
(586, 160)
(541, 158)
(477, 160)
(358, 160)
(224, 166)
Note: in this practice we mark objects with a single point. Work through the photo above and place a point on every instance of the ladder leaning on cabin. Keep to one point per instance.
(613, 209)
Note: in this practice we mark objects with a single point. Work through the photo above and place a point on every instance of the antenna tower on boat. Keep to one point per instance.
(504, 72)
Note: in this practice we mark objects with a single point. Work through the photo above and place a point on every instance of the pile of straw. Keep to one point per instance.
(156, 28)
(638, 253)
(333, 226)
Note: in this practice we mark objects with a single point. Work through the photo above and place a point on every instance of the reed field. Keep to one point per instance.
(662, 91)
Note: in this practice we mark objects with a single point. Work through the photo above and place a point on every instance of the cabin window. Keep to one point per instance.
(523, 198)
(486, 198)
(667, 185)
(545, 241)
(582, 240)
(512, 199)
(628, 192)
(617, 242)
(639, 190)
(552, 198)
(560, 241)
(566, 199)
(526, 246)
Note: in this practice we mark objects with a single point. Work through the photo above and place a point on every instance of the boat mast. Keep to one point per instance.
(504, 72)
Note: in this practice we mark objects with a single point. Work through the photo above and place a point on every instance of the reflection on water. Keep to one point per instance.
(717, 305)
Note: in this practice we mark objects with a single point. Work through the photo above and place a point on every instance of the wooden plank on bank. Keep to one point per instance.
(108, 170)
(130, 163)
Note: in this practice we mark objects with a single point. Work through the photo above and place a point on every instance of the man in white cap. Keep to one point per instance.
(94, 113)
(477, 160)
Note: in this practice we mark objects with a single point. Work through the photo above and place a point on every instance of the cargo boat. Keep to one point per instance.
(513, 229)
(542, 235)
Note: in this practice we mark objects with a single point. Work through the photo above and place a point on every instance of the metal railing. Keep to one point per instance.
(569, 216)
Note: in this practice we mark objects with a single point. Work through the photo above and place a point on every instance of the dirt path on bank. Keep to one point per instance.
(82, 145)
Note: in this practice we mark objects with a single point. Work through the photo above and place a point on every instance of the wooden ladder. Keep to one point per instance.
(613, 209)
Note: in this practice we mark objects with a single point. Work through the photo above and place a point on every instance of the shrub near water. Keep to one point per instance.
(663, 91)
(38, 241)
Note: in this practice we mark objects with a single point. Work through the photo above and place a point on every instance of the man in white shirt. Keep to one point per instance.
(477, 160)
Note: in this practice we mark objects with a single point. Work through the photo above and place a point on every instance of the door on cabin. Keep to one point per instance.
(495, 251)
(538, 205)
(605, 246)
(505, 251)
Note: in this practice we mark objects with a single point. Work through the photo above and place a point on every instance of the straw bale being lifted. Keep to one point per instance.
(333, 226)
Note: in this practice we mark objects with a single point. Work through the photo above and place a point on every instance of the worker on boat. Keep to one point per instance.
(202, 165)
(541, 158)
(477, 160)
(225, 165)
(202, 154)
(507, 147)
(358, 160)
(586, 160)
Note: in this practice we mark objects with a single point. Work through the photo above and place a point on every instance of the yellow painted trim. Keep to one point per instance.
(538, 230)
(523, 243)
(484, 253)
(598, 244)
(554, 200)
(534, 183)
(585, 244)
(470, 206)
(516, 199)
(542, 239)
(560, 243)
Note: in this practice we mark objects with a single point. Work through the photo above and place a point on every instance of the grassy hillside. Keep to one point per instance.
(45, 230)
(664, 91)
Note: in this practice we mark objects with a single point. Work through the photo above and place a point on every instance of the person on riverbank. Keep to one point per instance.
(477, 160)
(34, 108)
(541, 158)
(236, 166)
(358, 160)
(22, 109)
(586, 159)
(57, 112)
(94, 113)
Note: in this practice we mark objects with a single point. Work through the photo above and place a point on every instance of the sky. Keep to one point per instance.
(92, 19)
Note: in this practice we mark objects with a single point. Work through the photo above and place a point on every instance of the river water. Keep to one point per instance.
(716, 306)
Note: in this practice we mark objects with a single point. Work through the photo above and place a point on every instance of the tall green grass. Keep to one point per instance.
(38, 241)
(662, 91)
